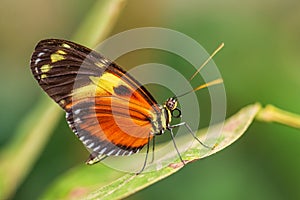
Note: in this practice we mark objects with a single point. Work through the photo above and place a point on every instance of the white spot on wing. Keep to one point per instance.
(86, 141)
(77, 120)
(76, 112)
(105, 61)
(130, 152)
(118, 152)
(109, 153)
(40, 54)
(97, 148)
(90, 145)
(102, 151)
(37, 61)
(81, 138)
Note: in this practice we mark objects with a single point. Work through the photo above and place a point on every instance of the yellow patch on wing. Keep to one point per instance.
(62, 102)
(45, 68)
(43, 76)
(84, 92)
(107, 81)
(103, 85)
(61, 52)
(100, 64)
(56, 57)
(66, 45)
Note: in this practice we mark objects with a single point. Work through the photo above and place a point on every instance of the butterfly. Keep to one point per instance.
(110, 112)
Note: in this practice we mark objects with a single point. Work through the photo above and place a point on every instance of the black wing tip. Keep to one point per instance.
(52, 41)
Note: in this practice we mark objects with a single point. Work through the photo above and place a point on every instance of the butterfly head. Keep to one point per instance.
(171, 105)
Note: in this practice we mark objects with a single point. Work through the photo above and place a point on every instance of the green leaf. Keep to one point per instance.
(98, 181)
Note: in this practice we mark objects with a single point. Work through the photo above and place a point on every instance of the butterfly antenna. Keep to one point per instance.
(211, 83)
(208, 59)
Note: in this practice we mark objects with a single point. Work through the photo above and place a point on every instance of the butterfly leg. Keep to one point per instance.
(192, 133)
(153, 144)
(174, 143)
(146, 157)
(153, 148)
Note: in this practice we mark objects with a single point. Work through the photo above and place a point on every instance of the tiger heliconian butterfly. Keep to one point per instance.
(110, 112)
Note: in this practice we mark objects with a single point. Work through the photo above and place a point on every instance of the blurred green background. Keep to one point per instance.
(260, 62)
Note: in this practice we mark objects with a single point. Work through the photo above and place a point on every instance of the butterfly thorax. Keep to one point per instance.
(162, 120)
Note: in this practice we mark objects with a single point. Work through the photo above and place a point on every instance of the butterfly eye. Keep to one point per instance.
(171, 103)
(176, 113)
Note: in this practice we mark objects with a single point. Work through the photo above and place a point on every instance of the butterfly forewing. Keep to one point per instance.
(56, 63)
(108, 110)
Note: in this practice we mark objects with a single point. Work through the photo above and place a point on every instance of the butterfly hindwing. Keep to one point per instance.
(108, 110)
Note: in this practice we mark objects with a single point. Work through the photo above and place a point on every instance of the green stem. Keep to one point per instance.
(18, 157)
(272, 114)
(99, 23)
